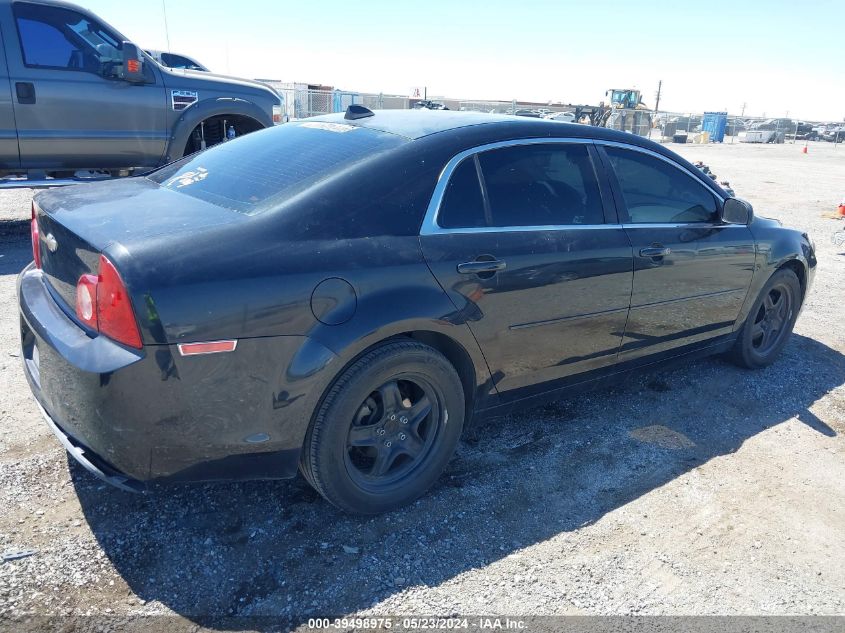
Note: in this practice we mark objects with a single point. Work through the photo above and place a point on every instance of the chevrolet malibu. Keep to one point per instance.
(342, 295)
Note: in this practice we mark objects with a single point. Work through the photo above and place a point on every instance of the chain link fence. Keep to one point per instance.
(302, 101)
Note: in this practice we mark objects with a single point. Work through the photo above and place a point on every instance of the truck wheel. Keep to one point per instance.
(386, 429)
(214, 130)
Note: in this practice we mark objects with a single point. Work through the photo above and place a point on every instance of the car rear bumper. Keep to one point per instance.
(93, 463)
(135, 416)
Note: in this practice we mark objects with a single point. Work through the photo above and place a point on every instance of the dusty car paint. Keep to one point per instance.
(562, 316)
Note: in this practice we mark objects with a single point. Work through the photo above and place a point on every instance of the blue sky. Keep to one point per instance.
(773, 55)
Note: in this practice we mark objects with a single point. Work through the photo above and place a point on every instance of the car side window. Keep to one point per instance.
(658, 193)
(463, 204)
(61, 39)
(550, 184)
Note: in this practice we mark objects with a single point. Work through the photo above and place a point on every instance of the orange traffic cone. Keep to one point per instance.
(841, 210)
(804, 149)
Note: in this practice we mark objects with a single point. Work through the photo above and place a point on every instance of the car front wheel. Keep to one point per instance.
(770, 322)
(386, 429)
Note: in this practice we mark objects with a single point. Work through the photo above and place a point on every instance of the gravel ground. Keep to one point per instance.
(704, 490)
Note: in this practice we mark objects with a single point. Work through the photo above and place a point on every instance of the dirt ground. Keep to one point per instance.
(704, 490)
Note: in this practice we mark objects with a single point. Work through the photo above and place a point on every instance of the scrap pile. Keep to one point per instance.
(725, 184)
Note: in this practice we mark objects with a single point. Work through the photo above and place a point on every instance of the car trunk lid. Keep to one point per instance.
(76, 224)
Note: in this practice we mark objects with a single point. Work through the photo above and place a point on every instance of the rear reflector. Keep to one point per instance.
(210, 347)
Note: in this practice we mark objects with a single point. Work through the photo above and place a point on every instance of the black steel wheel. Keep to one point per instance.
(769, 322)
(386, 429)
(393, 431)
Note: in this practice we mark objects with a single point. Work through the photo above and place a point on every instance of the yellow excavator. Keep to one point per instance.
(626, 112)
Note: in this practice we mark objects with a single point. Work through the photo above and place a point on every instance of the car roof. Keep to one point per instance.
(417, 124)
(436, 124)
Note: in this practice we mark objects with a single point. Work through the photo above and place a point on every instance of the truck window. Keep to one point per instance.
(171, 60)
(58, 38)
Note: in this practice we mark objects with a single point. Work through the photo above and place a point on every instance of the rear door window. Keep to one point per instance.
(463, 203)
(541, 185)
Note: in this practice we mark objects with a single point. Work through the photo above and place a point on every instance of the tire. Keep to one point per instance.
(386, 429)
(769, 323)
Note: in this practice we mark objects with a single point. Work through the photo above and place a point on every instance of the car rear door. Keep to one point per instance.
(71, 109)
(691, 272)
(522, 238)
(9, 157)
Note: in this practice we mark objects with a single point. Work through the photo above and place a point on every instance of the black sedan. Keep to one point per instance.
(343, 294)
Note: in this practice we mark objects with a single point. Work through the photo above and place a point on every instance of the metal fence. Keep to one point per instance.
(301, 101)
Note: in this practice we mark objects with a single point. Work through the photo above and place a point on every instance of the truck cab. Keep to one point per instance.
(77, 96)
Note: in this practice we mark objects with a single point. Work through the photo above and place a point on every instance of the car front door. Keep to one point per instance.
(520, 237)
(9, 157)
(72, 110)
(691, 272)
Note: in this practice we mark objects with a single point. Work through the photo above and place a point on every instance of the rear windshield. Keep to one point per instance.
(259, 171)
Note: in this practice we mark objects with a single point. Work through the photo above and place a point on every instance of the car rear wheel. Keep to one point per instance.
(386, 429)
(770, 322)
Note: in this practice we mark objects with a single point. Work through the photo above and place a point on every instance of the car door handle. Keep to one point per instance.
(476, 267)
(655, 251)
(26, 92)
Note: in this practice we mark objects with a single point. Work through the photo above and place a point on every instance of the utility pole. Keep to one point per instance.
(657, 101)
(166, 30)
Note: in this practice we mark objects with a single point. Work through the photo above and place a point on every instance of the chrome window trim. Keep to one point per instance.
(430, 226)
(680, 225)
(644, 150)
(517, 229)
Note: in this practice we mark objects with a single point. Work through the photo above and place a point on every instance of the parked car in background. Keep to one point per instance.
(175, 60)
(85, 98)
(804, 131)
(428, 104)
(343, 294)
(563, 117)
(833, 133)
(528, 112)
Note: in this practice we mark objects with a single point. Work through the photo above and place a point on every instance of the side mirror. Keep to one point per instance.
(736, 211)
(133, 64)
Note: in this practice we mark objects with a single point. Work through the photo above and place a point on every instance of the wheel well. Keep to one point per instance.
(460, 360)
(214, 129)
(796, 267)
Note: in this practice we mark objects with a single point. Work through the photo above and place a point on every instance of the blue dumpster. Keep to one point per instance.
(715, 123)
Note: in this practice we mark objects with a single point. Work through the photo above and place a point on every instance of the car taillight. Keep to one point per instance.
(36, 238)
(103, 304)
(277, 114)
(86, 300)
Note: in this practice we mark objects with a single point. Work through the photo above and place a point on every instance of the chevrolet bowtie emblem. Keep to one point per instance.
(51, 242)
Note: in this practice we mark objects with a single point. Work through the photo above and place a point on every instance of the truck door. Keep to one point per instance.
(9, 157)
(72, 110)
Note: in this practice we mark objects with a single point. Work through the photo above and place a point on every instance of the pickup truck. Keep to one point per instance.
(77, 97)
